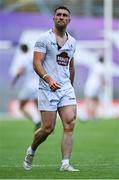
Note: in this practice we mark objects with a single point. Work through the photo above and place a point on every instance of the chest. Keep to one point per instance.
(61, 40)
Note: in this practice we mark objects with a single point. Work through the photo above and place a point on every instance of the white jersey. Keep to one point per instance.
(29, 85)
(30, 78)
(94, 85)
(56, 62)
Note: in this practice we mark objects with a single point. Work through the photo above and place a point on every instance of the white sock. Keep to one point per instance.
(30, 150)
(65, 162)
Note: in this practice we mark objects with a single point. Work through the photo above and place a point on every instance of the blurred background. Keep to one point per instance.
(95, 25)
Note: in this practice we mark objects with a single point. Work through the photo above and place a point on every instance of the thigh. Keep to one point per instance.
(48, 118)
(67, 114)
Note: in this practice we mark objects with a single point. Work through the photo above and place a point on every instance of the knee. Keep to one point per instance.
(72, 117)
(69, 127)
(48, 130)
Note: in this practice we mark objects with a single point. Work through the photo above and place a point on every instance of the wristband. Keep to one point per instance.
(44, 75)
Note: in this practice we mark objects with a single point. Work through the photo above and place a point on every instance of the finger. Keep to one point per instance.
(53, 89)
(58, 85)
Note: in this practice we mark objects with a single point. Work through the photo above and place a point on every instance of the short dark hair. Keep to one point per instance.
(101, 59)
(62, 7)
(24, 47)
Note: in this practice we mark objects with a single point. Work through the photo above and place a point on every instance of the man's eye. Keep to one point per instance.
(58, 14)
(65, 15)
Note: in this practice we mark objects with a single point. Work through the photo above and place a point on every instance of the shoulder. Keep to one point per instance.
(44, 36)
(72, 42)
(43, 40)
(71, 38)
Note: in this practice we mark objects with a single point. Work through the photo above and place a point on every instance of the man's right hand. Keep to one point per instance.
(52, 83)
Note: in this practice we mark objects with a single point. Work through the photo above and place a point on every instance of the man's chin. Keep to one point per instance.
(61, 26)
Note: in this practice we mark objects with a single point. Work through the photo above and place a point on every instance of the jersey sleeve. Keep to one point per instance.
(40, 45)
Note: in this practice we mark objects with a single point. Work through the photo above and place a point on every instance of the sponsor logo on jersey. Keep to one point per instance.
(62, 59)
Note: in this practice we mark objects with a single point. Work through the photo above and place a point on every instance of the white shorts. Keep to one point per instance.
(28, 94)
(51, 101)
(93, 92)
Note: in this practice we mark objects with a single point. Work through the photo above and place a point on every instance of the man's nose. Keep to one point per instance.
(61, 17)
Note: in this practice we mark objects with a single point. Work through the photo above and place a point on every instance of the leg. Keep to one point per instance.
(31, 114)
(68, 116)
(36, 115)
(22, 107)
(25, 111)
(91, 107)
(48, 124)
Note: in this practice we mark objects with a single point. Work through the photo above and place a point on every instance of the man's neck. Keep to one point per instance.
(60, 33)
(61, 37)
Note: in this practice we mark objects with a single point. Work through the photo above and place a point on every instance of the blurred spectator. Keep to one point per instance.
(29, 86)
(94, 89)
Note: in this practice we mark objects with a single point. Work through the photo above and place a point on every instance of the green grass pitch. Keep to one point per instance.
(95, 151)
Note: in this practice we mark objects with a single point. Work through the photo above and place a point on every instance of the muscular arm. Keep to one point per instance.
(37, 63)
(72, 71)
(39, 69)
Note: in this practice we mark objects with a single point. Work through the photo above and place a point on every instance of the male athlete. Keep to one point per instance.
(54, 63)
